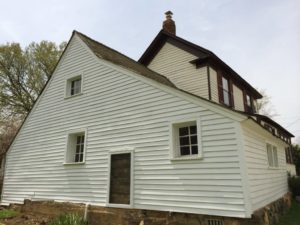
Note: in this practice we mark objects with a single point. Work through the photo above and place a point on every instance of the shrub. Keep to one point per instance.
(69, 219)
(294, 184)
(8, 213)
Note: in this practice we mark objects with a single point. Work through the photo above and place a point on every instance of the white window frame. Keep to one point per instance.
(67, 149)
(116, 151)
(174, 139)
(272, 160)
(68, 83)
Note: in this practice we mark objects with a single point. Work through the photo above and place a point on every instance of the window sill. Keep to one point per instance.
(273, 168)
(72, 96)
(182, 158)
(73, 163)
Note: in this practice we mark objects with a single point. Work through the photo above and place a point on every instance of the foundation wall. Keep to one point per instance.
(269, 215)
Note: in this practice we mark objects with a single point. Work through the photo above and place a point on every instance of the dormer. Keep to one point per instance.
(197, 70)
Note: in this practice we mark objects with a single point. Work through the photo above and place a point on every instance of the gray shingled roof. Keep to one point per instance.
(118, 58)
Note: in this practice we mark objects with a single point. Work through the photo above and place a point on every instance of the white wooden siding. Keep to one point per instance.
(174, 63)
(120, 111)
(214, 85)
(266, 184)
(238, 98)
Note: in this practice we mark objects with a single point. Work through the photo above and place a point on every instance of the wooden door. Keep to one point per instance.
(120, 178)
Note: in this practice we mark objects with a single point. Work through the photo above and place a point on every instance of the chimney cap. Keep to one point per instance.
(168, 13)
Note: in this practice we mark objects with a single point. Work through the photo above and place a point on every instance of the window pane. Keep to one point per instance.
(275, 157)
(193, 129)
(194, 140)
(78, 139)
(77, 149)
(226, 97)
(270, 157)
(77, 83)
(77, 158)
(195, 149)
(225, 84)
(184, 141)
(248, 99)
(185, 150)
(183, 131)
(75, 86)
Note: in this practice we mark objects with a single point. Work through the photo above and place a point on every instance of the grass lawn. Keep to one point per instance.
(293, 215)
(8, 213)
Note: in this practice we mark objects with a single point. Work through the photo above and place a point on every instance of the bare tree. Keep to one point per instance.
(265, 106)
(8, 130)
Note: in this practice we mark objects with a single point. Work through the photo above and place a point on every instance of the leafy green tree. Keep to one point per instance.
(296, 157)
(23, 74)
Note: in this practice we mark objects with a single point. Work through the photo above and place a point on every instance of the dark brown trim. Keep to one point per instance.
(245, 100)
(208, 80)
(231, 93)
(220, 91)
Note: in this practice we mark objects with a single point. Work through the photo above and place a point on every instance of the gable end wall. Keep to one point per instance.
(122, 112)
(174, 63)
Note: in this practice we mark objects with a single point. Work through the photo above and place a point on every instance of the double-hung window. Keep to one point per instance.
(272, 155)
(248, 103)
(79, 148)
(226, 93)
(74, 86)
(76, 147)
(225, 90)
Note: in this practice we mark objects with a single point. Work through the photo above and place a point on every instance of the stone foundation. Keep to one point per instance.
(268, 215)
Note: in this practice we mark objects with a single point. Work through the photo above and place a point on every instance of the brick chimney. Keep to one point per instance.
(169, 24)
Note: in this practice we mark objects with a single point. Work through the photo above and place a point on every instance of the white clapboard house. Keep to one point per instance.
(176, 131)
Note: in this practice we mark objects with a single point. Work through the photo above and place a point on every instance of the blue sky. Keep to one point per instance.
(258, 39)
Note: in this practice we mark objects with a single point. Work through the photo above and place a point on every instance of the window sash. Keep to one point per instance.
(272, 155)
(225, 84)
(248, 100)
(275, 157)
(75, 86)
(79, 148)
(190, 145)
(225, 95)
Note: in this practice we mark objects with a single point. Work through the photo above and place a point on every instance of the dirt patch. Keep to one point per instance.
(28, 219)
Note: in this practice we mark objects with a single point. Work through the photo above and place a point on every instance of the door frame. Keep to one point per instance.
(124, 150)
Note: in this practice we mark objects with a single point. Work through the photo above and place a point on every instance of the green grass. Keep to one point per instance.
(8, 213)
(69, 219)
(293, 215)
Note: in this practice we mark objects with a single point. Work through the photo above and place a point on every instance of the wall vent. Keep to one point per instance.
(215, 222)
